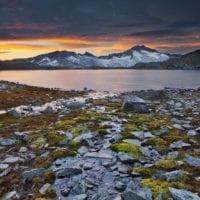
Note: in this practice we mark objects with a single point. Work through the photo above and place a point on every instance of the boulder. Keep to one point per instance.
(183, 194)
(136, 104)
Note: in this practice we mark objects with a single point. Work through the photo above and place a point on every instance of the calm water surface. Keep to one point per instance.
(109, 80)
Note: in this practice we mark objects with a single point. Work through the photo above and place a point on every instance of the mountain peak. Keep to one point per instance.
(88, 54)
(141, 47)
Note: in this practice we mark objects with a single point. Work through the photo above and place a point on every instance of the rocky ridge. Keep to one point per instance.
(138, 145)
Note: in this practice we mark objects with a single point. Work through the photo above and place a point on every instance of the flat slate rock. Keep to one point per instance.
(183, 194)
(190, 160)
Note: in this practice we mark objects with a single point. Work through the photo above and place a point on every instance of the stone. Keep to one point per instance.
(133, 141)
(99, 155)
(120, 186)
(153, 154)
(65, 192)
(179, 145)
(69, 171)
(159, 197)
(134, 103)
(33, 173)
(191, 133)
(125, 158)
(75, 105)
(173, 175)
(80, 197)
(85, 136)
(21, 136)
(193, 161)
(12, 159)
(10, 195)
(183, 194)
(3, 166)
(23, 150)
(87, 166)
(173, 154)
(122, 169)
(82, 150)
(7, 142)
(137, 194)
(161, 132)
(5, 172)
(139, 134)
(48, 110)
(178, 126)
(14, 113)
(44, 188)
(64, 111)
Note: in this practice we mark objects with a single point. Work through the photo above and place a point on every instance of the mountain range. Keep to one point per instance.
(138, 57)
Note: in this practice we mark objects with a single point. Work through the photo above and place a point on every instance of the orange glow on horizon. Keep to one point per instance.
(29, 47)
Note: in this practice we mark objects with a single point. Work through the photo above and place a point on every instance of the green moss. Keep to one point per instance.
(102, 131)
(158, 142)
(78, 130)
(65, 124)
(61, 153)
(73, 144)
(156, 186)
(143, 171)
(168, 164)
(131, 149)
(53, 139)
(42, 161)
(50, 191)
(130, 127)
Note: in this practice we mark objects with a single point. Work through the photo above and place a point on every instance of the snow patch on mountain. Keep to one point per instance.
(129, 58)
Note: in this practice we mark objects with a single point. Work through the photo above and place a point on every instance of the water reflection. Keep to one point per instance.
(110, 80)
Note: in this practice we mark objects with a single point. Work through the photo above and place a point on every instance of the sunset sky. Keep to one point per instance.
(32, 27)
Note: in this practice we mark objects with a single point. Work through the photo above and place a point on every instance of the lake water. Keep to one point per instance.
(109, 80)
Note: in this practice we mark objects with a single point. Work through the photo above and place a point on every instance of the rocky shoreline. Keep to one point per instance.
(76, 145)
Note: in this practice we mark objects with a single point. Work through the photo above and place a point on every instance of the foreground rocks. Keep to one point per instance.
(110, 147)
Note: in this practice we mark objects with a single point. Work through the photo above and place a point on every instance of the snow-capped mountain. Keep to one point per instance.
(126, 59)
(129, 58)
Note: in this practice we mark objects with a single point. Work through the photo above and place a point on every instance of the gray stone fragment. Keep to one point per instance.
(44, 188)
(137, 194)
(162, 131)
(173, 175)
(33, 173)
(21, 136)
(183, 194)
(12, 159)
(7, 142)
(190, 160)
(192, 133)
(125, 158)
(69, 171)
(80, 197)
(120, 186)
(82, 150)
(179, 145)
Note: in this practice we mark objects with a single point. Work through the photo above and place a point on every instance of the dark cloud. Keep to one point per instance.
(94, 18)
